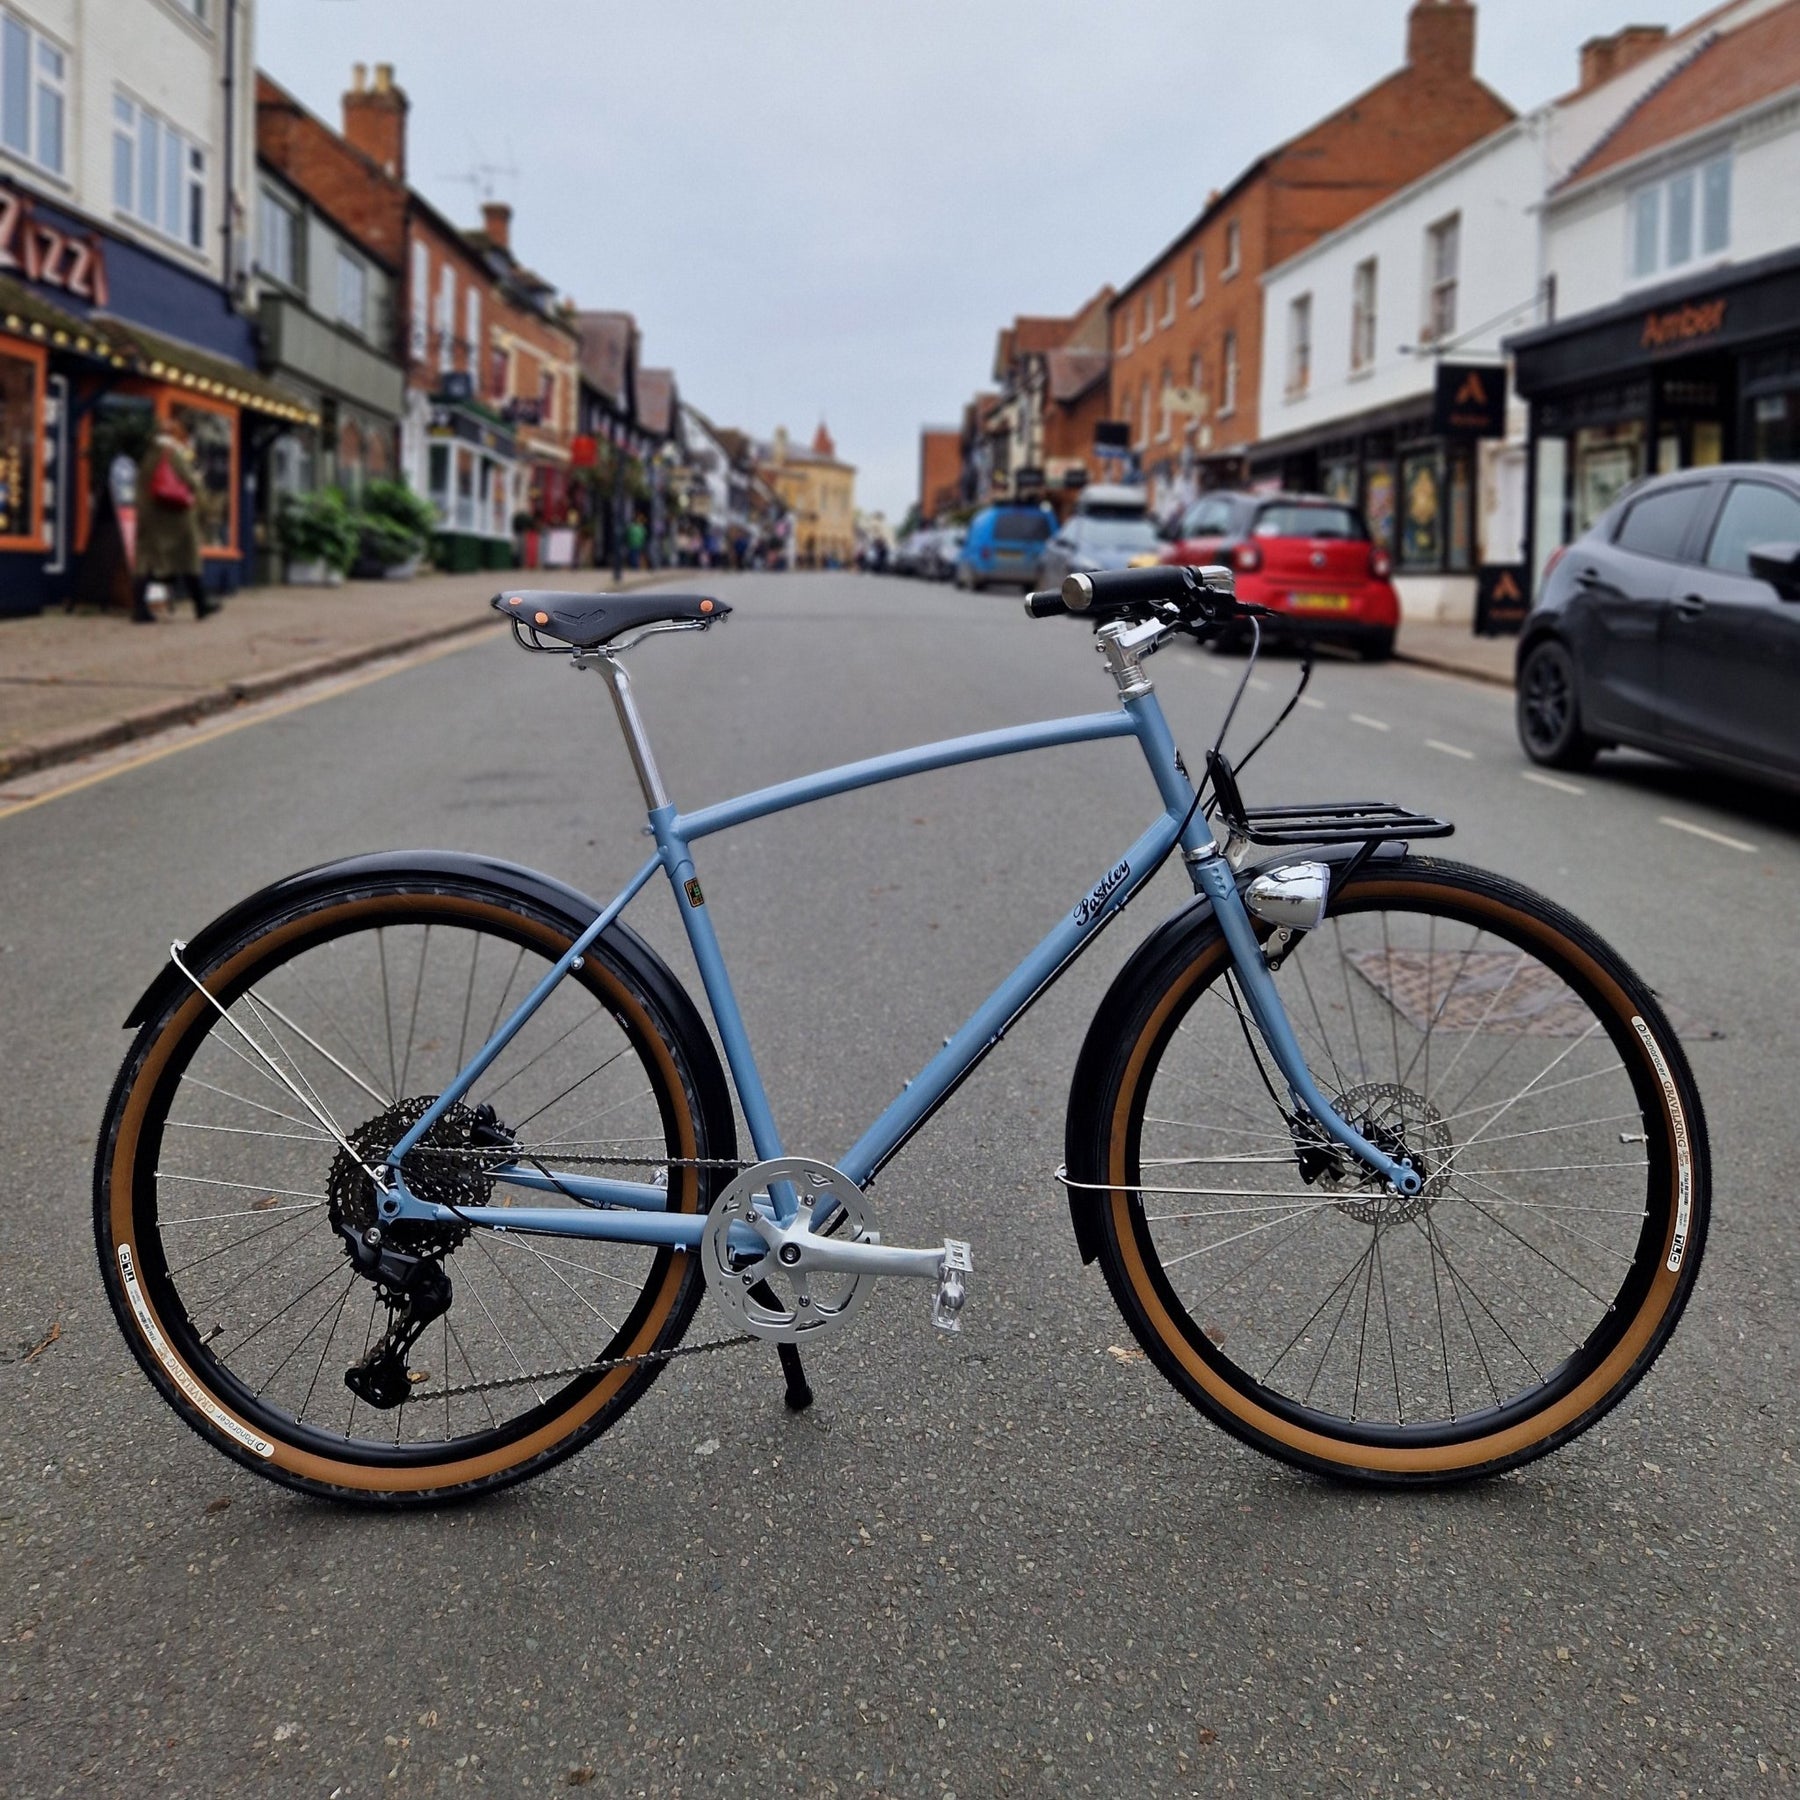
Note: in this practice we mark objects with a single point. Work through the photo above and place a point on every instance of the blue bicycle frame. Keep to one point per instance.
(636, 1212)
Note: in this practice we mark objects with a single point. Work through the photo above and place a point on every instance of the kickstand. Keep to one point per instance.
(799, 1394)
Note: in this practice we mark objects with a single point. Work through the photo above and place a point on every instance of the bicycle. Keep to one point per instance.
(420, 1164)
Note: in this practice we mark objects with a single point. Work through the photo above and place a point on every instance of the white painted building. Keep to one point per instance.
(1442, 272)
(1672, 252)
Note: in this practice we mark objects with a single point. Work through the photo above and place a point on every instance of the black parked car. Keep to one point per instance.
(1673, 625)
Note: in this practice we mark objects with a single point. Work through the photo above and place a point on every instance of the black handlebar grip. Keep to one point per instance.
(1106, 588)
(1044, 604)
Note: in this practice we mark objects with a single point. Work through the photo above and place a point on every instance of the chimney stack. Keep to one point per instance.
(1604, 57)
(375, 118)
(1440, 36)
(496, 224)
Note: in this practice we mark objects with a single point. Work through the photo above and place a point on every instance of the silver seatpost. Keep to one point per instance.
(637, 740)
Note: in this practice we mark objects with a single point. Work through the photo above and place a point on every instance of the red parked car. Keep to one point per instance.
(1306, 558)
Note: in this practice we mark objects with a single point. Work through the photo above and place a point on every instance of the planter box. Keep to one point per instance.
(314, 574)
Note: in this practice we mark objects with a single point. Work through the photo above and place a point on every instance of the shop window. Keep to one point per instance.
(1774, 428)
(210, 436)
(1443, 253)
(1337, 479)
(1379, 508)
(1460, 524)
(1362, 315)
(21, 435)
(1658, 525)
(1608, 458)
(1299, 369)
(277, 240)
(1684, 216)
(352, 292)
(34, 86)
(1421, 510)
(159, 174)
(1753, 514)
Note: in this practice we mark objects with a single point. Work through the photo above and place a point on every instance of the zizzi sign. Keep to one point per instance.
(1683, 324)
(46, 254)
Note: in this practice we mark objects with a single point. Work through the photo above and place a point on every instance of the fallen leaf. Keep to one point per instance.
(580, 1777)
(1207, 1735)
(45, 1341)
(1123, 1355)
(217, 1506)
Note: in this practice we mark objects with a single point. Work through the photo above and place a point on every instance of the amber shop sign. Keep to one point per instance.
(48, 256)
(1471, 400)
(1684, 324)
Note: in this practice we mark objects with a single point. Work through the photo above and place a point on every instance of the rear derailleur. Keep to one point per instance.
(415, 1290)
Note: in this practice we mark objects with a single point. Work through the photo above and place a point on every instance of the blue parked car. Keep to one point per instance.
(1004, 543)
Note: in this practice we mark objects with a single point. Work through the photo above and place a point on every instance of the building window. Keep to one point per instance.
(472, 330)
(446, 318)
(1124, 328)
(1197, 382)
(1685, 215)
(1144, 316)
(1168, 317)
(34, 85)
(1228, 378)
(1362, 315)
(277, 240)
(159, 174)
(1234, 250)
(1421, 511)
(1144, 410)
(1164, 395)
(1443, 248)
(352, 292)
(1199, 292)
(1299, 370)
(421, 300)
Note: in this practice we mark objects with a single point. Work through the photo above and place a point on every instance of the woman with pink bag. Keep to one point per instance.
(168, 523)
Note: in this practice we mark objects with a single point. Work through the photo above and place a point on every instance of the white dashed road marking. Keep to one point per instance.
(1372, 724)
(1712, 837)
(1551, 781)
(1308, 700)
(1450, 749)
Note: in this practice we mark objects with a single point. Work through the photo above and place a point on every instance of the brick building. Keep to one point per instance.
(940, 470)
(1187, 329)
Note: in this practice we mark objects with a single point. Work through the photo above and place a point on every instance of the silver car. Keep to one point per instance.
(1109, 529)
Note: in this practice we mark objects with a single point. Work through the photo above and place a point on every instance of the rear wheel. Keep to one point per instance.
(221, 1186)
(1549, 709)
(1457, 1019)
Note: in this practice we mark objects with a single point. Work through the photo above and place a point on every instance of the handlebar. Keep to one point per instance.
(1201, 596)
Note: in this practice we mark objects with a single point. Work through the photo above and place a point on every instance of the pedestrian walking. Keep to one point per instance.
(168, 523)
(635, 538)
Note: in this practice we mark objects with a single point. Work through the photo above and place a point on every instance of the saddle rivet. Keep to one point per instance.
(543, 618)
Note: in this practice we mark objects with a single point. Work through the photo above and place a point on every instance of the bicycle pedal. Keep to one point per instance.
(952, 1290)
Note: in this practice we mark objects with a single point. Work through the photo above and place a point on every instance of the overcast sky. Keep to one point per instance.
(825, 208)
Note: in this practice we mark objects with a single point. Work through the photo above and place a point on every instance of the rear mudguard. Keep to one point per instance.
(1183, 934)
(453, 872)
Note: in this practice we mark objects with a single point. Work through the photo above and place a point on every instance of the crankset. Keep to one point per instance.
(802, 1280)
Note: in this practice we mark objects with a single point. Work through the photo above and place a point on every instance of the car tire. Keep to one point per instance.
(1547, 708)
(1378, 646)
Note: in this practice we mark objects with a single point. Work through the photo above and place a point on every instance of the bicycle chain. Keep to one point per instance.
(604, 1366)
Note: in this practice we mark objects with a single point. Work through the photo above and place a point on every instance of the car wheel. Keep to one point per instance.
(1548, 709)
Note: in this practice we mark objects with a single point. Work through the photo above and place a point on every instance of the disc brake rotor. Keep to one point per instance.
(756, 1290)
(1406, 1125)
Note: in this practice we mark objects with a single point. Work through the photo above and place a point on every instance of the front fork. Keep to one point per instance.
(1214, 877)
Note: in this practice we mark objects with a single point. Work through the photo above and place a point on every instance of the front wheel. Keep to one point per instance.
(1462, 1021)
(232, 1162)
(1548, 709)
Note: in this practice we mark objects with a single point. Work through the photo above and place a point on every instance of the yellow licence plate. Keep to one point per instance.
(1320, 602)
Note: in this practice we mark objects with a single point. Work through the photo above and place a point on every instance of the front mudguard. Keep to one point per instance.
(1178, 939)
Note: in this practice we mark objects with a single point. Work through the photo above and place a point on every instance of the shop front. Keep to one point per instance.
(1416, 485)
(1692, 373)
(472, 477)
(90, 366)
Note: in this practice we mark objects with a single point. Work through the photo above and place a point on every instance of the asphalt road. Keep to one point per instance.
(1011, 1564)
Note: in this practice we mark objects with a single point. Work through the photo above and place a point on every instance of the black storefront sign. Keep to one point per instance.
(1502, 599)
(1471, 400)
(1712, 312)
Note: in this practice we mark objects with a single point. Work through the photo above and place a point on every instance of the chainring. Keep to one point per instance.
(757, 1292)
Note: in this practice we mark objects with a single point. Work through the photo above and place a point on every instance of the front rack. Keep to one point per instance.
(1324, 822)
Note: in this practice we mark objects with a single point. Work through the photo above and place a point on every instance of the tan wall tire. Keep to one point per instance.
(146, 1168)
(1657, 1259)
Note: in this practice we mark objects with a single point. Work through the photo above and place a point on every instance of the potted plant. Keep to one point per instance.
(396, 525)
(319, 538)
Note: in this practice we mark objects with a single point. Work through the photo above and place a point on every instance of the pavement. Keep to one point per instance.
(72, 683)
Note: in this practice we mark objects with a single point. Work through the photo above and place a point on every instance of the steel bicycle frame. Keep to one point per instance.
(636, 1212)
